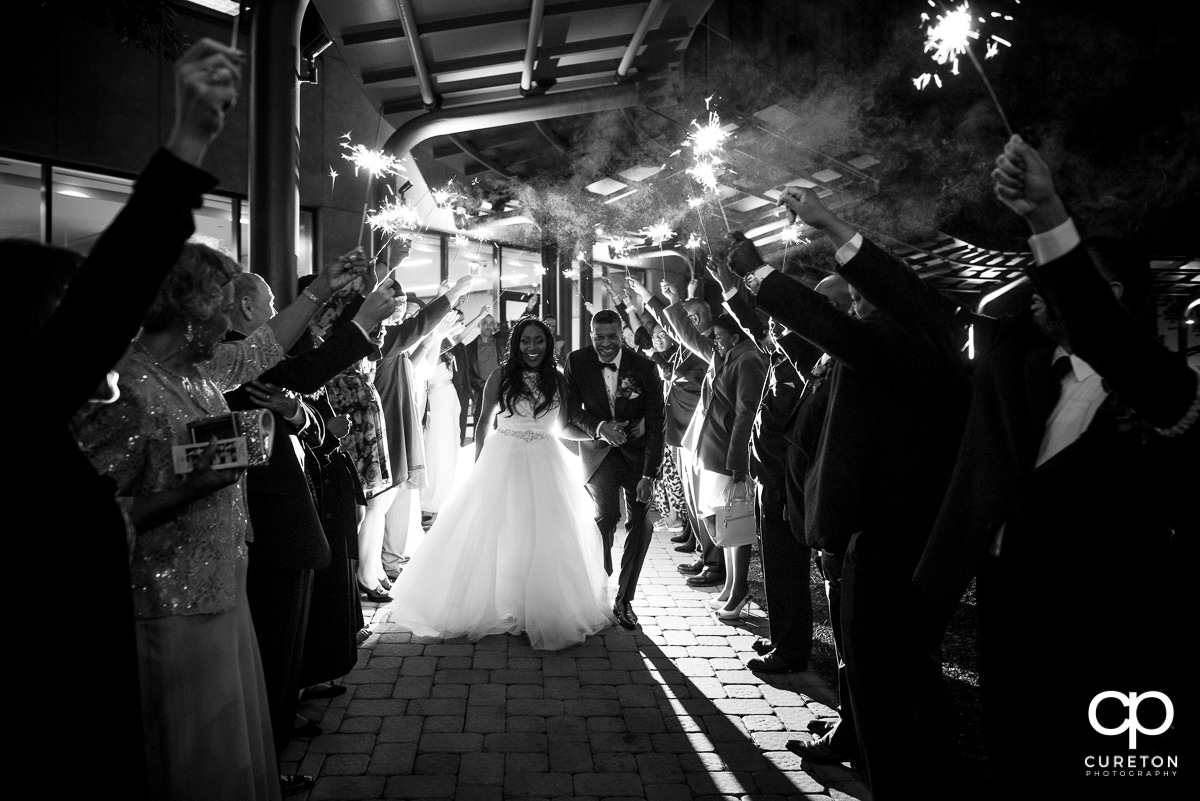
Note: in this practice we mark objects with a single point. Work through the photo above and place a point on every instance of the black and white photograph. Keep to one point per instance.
(676, 400)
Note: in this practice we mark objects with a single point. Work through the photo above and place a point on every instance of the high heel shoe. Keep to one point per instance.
(374, 596)
(717, 603)
(735, 612)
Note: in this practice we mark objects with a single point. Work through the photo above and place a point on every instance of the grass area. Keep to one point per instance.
(960, 668)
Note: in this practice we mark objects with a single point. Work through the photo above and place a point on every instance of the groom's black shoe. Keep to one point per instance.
(625, 615)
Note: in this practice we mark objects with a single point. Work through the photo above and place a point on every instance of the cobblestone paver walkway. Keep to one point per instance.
(665, 713)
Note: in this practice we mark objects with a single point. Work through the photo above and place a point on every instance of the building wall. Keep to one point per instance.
(82, 98)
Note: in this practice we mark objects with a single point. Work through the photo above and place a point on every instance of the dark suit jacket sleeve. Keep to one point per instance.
(307, 372)
(892, 287)
(859, 344)
(801, 353)
(687, 334)
(742, 310)
(654, 417)
(105, 303)
(400, 338)
(751, 372)
(1155, 382)
(579, 416)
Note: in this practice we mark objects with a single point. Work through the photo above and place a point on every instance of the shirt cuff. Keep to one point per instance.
(849, 250)
(1055, 243)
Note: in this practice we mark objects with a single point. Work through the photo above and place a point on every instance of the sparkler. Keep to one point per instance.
(333, 174)
(951, 37)
(707, 143)
(395, 219)
(237, 19)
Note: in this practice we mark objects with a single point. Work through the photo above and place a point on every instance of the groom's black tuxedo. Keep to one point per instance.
(608, 470)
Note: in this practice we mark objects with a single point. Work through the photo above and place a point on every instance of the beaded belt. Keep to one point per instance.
(528, 436)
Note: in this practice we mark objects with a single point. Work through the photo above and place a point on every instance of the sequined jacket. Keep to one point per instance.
(186, 566)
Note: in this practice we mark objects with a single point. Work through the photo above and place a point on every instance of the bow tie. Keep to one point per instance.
(609, 366)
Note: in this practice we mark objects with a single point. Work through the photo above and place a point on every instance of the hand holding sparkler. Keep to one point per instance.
(206, 88)
(380, 304)
(639, 289)
(742, 257)
(670, 292)
(1024, 184)
(460, 288)
(805, 204)
(723, 276)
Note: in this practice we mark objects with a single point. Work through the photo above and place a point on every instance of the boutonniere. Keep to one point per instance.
(629, 388)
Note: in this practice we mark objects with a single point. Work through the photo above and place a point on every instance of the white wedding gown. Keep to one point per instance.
(515, 547)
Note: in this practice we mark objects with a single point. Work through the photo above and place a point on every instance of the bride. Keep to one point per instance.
(516, 547)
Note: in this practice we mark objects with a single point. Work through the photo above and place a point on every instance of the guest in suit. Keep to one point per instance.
(485, 353)
(289, 542)
(615, 395)
(683, 398)
(785, 555)
(729, 398)
(887, 444)
(1062, 471)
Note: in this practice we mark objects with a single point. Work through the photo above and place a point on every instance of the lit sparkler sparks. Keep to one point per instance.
(446, 196)
(694, 242)
(375, 162)
(950, 37)
(792, 234)
(705, 174)
(657, 233)
(333, 174)
(394, 218)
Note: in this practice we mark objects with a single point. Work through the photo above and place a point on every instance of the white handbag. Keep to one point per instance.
(735, 523)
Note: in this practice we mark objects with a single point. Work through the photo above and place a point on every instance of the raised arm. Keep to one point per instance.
(1155, 382)
(106, 301)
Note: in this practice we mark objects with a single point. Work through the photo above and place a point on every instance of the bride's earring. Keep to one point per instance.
(189, 335)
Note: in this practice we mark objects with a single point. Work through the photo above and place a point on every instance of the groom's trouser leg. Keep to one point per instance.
(638, 533)
(605, 489)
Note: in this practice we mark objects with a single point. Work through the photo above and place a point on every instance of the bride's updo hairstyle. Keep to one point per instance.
(512, 382)
(193, 290)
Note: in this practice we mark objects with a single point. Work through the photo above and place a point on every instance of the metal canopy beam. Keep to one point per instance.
(509, 112)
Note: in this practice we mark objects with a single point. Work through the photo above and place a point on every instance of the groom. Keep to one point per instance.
(615, 395)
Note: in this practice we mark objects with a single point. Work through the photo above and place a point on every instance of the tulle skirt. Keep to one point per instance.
(514, 549)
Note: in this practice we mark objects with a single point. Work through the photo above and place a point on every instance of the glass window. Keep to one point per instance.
(520, 275)
(464, 255)
(82, 207)
(20, 200)
(214, 224)
(420, 271)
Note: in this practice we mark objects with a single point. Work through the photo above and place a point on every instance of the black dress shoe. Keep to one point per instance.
(707, 578)
(774, 663)
(687, 547)
(817, 751)
(625, 615)
(323, 691)
(682, 536)
(821, 727)
(374, 596)
(295, 783)
(762, 646)
(692, 568)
